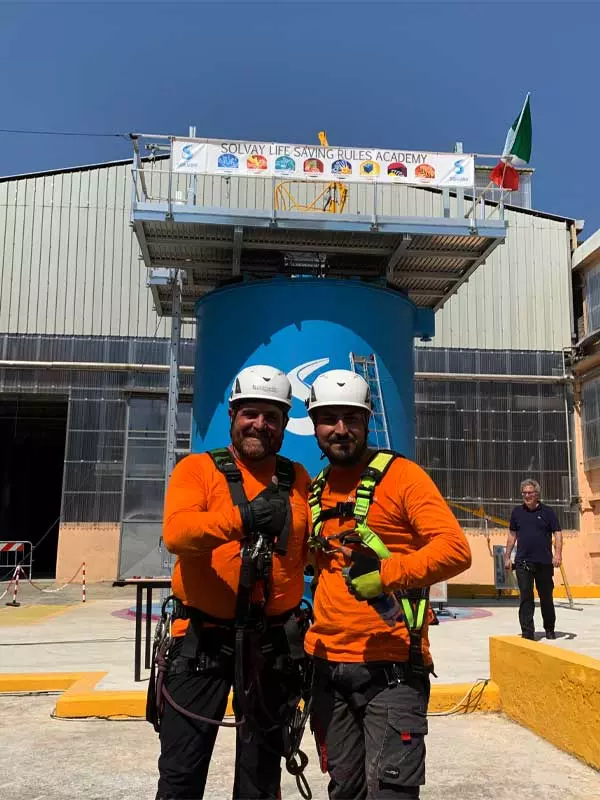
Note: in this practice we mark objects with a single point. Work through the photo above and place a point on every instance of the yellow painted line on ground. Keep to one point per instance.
(456, 591)
(81, 699)
(26, 615)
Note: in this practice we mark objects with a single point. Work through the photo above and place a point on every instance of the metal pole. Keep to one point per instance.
(192, 187)
(460, 193)
(568, 417)
(173, 395)
(374, 225)
(173, 400)
(170, 185)
(446, 202)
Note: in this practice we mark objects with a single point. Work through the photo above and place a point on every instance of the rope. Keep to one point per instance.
(58, 589)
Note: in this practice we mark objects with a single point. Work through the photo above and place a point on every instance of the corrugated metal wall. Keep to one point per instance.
(68, 258)
(520, 298)
(69, 261)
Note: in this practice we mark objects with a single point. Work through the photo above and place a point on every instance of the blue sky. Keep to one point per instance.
(381, 74)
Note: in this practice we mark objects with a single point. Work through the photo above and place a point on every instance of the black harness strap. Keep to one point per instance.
(256, 564)
(224, 462)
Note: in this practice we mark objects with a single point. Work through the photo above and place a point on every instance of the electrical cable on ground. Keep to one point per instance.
(113, 718)
(470, 699)
(466, 701)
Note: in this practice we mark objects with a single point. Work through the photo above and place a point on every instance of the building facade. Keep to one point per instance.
(585, 365)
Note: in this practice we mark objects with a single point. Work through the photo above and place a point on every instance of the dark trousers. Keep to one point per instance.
(186, 745)
(370, 727)
(543, 576)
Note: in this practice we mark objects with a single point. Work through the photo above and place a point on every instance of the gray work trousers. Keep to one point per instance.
(370, 722)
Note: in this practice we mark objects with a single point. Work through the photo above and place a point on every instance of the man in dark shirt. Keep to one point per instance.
(531, 527)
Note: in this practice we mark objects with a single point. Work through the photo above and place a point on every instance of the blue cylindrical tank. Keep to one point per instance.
(304, 327)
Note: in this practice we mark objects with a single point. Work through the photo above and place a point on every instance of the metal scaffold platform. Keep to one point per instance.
(218, 229)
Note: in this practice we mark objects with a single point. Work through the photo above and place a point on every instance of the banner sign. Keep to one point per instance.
(302, 162)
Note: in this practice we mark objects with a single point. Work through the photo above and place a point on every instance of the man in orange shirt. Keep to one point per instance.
(382, 534)
(237, 520)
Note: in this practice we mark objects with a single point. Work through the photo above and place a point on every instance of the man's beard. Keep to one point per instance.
(256, 447)
(344, 456)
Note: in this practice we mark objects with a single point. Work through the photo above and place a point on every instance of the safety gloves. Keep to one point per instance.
(363, 576)
(267, 513)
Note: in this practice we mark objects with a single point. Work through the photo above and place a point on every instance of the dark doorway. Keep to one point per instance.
(32, 433)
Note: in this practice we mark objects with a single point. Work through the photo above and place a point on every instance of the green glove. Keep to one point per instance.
(363, 576)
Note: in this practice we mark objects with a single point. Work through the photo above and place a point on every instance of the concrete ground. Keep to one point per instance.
(56, 632)
(478, 757)
(470, 757)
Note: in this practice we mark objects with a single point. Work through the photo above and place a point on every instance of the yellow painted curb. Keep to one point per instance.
(81, 699)
(473, 591)
(38, 681)
(553, 692)
(485, 697)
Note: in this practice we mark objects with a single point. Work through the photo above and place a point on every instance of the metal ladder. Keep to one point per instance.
(366, 367)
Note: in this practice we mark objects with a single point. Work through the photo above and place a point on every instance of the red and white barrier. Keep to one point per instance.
(10, 583)
(13, 602)
(20, 572)
(12, 547)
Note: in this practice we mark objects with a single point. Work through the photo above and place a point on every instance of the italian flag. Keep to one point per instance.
(517, 148)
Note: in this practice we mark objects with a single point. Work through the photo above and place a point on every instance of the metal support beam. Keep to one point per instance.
(476, 376)
(238, 235)
(467, 274)
(464, 255)
(424, 292)
(272, 243)
(424, 275)
(395, 257)
(103, 366)
(156, 298)
(173, 392)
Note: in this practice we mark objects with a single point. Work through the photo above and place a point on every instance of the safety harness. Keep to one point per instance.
(414, 602)
(256, 565)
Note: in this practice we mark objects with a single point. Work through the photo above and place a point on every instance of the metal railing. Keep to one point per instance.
(154, 181)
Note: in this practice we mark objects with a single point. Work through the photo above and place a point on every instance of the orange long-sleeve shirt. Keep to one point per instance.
(427, 544)
(204, 529)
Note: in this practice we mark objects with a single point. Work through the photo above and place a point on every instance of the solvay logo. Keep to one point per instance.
(459, 167)
(188, 152)
(302, 426)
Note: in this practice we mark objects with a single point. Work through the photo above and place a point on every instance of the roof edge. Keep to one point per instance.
(79, 168)
(146, 159)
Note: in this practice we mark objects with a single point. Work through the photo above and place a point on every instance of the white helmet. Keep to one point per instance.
(339, 387)
(262, 383)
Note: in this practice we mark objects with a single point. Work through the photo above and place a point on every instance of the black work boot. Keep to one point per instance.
(550, 635)
(528, 635)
